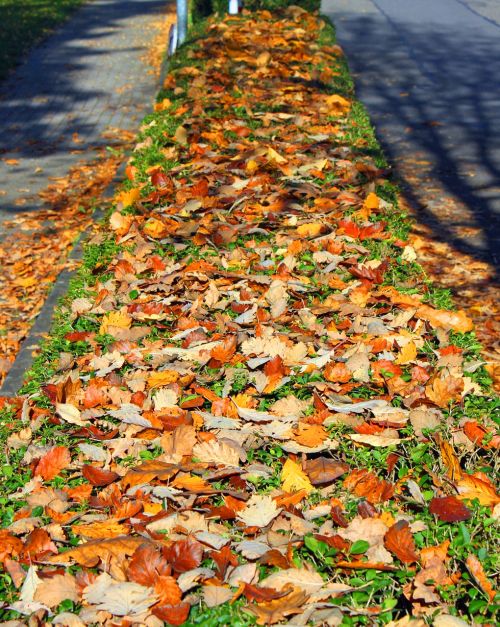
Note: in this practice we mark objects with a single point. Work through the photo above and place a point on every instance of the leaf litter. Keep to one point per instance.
(255, 411)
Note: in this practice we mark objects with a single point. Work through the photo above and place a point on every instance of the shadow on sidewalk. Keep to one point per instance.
(436, 107)
(57, 101)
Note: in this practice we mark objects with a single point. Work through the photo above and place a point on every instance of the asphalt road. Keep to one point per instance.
(429, 73)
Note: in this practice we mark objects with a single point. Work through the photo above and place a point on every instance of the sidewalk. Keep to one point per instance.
(87, 87)
(253, 407)
(88, 78)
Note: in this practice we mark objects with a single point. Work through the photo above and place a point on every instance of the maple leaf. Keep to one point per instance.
(119, 597)
(127, 198)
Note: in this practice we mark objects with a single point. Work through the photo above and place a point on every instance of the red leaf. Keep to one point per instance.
(449, 509)
(99, 477)
(51, 464)
(184, 555)
(399, 541)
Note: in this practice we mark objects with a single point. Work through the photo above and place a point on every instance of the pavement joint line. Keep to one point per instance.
(45, 318)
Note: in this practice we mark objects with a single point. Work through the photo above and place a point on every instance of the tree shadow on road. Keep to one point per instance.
(435, 105)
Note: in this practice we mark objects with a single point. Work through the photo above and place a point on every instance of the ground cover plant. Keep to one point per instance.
(254, 407)
(25, 24)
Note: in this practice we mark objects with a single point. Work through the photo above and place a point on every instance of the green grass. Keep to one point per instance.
(25, 23)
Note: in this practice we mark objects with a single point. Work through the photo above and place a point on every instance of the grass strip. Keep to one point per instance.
(25, 24)
(198, 404)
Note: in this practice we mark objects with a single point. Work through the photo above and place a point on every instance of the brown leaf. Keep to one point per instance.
(449, 509)
(89, 553)
(98, 476)
(399, 541)
(272, 612)
(51, 464)
(150, 469)
(56, 589)
(323, 470)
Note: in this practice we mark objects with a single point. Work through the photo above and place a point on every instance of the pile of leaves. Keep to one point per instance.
(250, 410)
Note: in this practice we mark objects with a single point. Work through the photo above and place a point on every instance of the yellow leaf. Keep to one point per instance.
(293, 478)
(127, 198)
(252, 166)
(274, 156)
(155, 228)
(119, 319)
(159, 379)
(263, 59)
(372, 201)
(338, 104)
(408, 354)
(101, 529)
(311, 229)
(164, 104)
(27, 282)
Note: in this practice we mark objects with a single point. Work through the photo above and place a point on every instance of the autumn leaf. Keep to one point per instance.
(293, 478)
(365, 483)
(127, 198)
(89, 553)
(449, 509)
(272, 612)
(184, 555)
(51, 464)
(399, 541)
(99, 476)
(259, 511)
(476, 569)
(322, 470)
(118, 319)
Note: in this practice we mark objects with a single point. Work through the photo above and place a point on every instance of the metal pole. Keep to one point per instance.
(182, 15)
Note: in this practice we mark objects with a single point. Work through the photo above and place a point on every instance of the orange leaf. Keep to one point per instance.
(365, 483)
(477, 571)
(51, 464)
(399, 541)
